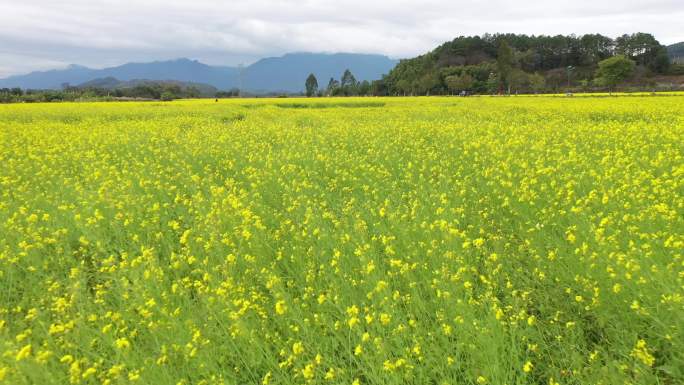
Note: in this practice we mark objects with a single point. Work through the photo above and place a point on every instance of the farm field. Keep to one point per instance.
(347, 241)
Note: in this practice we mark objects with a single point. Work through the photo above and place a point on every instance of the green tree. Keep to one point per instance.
(519, 80)
(429, 84)
(192, 92)
(505, 62)
(492, 83)
(537, 82)
(311, 85)
(614, 70)
(167, 96)
(348, 83)
(364, 88)
(333, 87)
(645, 50)
(457, 83)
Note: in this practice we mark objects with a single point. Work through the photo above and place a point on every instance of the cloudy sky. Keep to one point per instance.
(45, 34)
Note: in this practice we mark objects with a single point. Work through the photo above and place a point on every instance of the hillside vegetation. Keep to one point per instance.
(520, 63)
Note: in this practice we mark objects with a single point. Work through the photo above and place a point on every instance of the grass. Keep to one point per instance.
(428, 241)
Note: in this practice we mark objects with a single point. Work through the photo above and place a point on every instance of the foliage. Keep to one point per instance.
(166, 96)
(504, 65)
(235, 92)
(143, 90)
(645, 50)
(527, 240)
(537, 83)
(677, 69)
(311, 85)
(463, 82)
(349, 86)
(614, 70)
(505, 54)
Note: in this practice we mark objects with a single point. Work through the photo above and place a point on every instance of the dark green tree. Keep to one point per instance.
(348, 83)
(348, 79)
(458, 83)
(614, 70)
(645, 50)
(364, 88)
(505, 62)
(537, 83)
(594, 48)
(333, 87)
(492, 84)
(311, 85)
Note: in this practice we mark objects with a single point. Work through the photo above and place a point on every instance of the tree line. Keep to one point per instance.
(149, 90)
(346, 86)
(508, 63)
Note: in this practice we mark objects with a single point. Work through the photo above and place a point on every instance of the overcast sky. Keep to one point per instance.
(45, 34)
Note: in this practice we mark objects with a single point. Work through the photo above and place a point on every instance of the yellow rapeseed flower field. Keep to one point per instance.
(440, 241)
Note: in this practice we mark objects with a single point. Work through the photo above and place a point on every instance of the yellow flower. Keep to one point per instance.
(67, 359)
(280, 307)
(3, 373)
(134, 375)
(297, 348)
(267, 379)
(641, 353)
(308, 372)
(24, 352)
(527, 367)
(89, 372)
(478, 242)
(481, 380)
(358, 350)
(122, 343)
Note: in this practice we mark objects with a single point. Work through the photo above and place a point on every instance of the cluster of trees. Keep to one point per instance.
(150, 90)
(346, 86)
(17, 95)
(505, 63)
(233, 93)
(147, 90)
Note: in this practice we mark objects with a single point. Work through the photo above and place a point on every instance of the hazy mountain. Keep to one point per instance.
(52, 79)
(286, 73)
(182, 70)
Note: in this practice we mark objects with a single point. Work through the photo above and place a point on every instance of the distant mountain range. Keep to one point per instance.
(278, 74)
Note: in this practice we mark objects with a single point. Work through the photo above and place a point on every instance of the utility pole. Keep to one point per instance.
(570, 68)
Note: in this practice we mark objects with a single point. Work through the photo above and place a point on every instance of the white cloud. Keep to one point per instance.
(39, 34)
